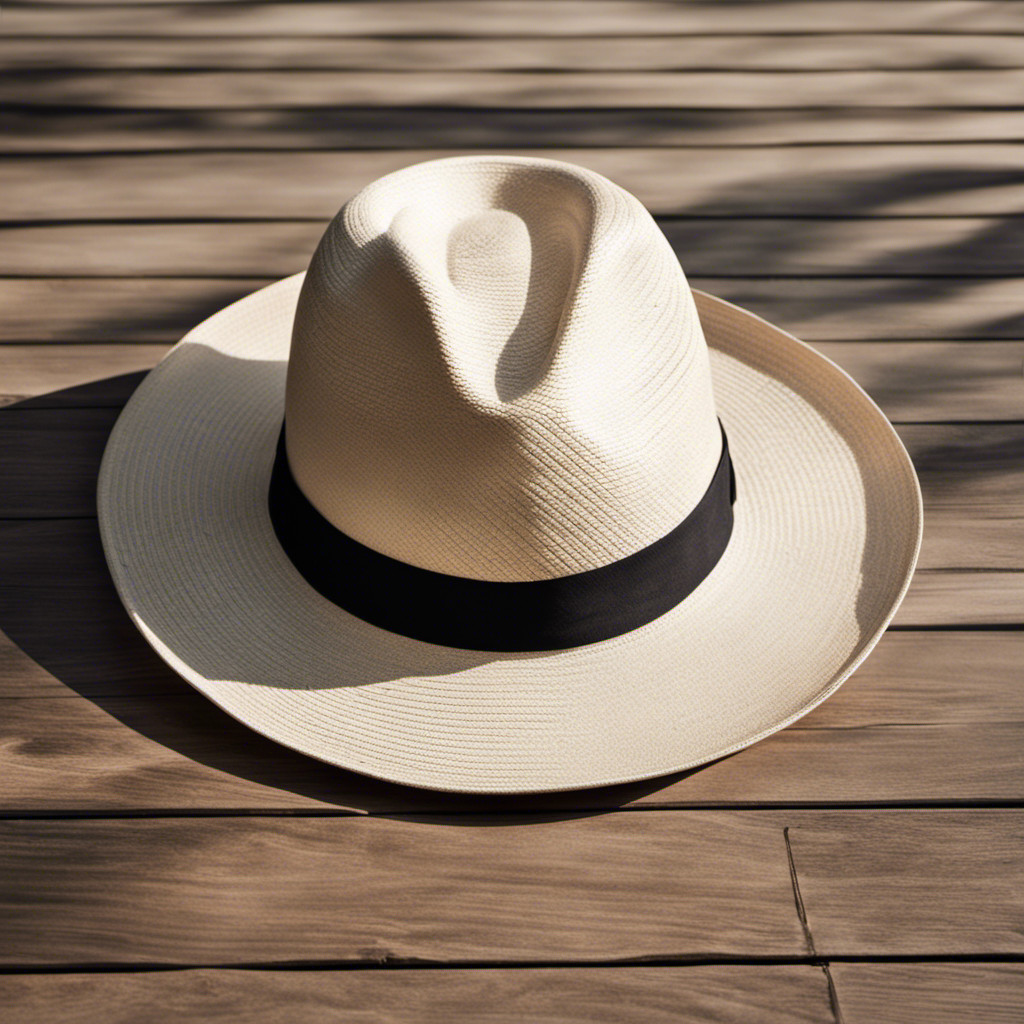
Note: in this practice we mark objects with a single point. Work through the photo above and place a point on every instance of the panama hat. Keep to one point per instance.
(489, 500)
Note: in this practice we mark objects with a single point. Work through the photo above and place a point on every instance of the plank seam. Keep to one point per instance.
(801, 911)
(837, 276)
(192, 814)
(453, 37)
(660, 218)
(510, 145)
(403, 964)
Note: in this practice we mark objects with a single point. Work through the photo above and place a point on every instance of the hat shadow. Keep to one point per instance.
(60, 607)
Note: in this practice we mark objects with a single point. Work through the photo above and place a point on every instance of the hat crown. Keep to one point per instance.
(497, 371)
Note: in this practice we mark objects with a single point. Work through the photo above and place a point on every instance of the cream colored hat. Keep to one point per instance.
(540, 517)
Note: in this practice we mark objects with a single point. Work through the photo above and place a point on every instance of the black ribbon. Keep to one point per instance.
(533, 615)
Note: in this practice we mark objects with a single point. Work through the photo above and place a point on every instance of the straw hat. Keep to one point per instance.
(541, 517)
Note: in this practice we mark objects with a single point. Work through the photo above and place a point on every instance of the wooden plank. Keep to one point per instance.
(236, 890)
(912, 381)
(951, 598)
(927, 180)
(86, 639)
(838, 309)
(580, 995)
(958, 87)
(515, 17)
(39, 371)
(29, 128)
(50, 459)
(220, 891)
(938, 597)
(930, 993)
(970, 473)
(890, 733)
(178, 754)
(117, 310)
(748, 52)
(912, 883)
(931, 678)
(110, 309)
(59, 605)
(969, 477)
(811, 247)
(143, 740)
(918, 381)
(926, 381)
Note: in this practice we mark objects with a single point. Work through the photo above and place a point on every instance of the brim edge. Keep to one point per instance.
(910, 477)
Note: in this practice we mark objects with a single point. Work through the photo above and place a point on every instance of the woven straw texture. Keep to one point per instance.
(504, 356)
(573, 450)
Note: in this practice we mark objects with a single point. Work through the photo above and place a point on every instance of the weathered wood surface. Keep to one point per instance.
(919, 381)
(912, 882)
(968, 472)
(848, 51)
(920, 993)
(929, 993)
(852, 171)
(715, 883)
(966, 598)
(515, 17)
(235, 890)
(899, 247)
(29, 128)
(177, 753)
(117, 309)
(575, 995)
(964, 87)
(971, 180)
(47, 372)
(912, 679)
(574, 18)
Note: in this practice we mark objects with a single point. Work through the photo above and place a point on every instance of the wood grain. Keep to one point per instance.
(151, 310)
(917, 381)
(971, 180)
(849, 169)
(849, 51)
(963, 247)
(913, 882)
(181, 755)
(920, 702)
(645, 995)
(47, 373)
(216, 891)
(515, 18)
(970, 473)
(63, 551)
(235, 890)
(29, 128)
(930, 993)
(924, 381)
(50, 459)
(932, 678)
(964, 599)
(184, 89)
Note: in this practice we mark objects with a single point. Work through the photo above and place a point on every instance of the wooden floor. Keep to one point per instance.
(854, 171)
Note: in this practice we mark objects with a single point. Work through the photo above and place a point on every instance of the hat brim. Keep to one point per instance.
(827, 530)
